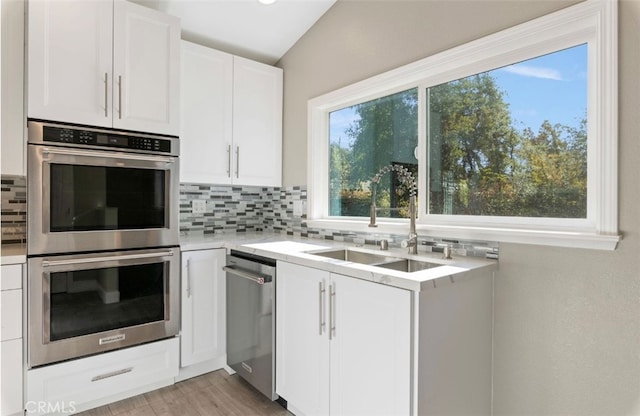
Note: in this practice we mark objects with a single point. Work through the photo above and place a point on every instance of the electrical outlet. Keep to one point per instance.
(198, 206)
(297, 208)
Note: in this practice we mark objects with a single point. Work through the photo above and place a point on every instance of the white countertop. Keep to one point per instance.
(294, 250)
(13, 254)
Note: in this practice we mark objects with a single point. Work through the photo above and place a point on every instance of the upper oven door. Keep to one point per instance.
(88, 200)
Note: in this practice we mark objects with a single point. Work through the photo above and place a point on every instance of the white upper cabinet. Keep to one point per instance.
(206, 117)
(146, 69)
(103, 63)
(257, 123)
(12, 106)
(231, 128)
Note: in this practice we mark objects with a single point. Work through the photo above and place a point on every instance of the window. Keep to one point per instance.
(511, 141)
(516, 137)
(363, 139)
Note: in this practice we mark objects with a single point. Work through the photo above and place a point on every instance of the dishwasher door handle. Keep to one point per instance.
(256, 278)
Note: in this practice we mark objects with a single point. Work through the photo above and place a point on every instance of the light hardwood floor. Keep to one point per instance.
(211, 394)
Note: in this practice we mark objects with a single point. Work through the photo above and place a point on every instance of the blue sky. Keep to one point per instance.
(551, 87)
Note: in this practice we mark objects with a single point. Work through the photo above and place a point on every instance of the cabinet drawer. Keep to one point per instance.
(11, 314)
(11, 277)
(74, 383)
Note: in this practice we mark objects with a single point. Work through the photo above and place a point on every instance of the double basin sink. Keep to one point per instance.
(376, 259)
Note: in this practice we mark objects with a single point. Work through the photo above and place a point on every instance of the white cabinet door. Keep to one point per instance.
(302, 342)
(11, 337)
(11, 377)
(364, 366)
(146, 69)
(370, 348)
(202, 335)
(12, 106)
(11, 314)
(257, 123)
(206, 115)
(70, 48)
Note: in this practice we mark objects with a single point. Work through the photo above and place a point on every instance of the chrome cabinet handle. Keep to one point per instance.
(112, 374)
(256, 278)
(237, 161)
(332, 312)
(120, 96)
(52, 263)
(228, 161)
(106, 94)
(321, 292)
(188, 278)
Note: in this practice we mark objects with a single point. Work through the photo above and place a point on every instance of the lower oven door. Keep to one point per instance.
(89, 303)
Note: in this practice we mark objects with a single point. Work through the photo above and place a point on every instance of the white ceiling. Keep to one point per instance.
(244, 27)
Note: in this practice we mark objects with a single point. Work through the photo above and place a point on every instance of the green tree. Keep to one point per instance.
(474, 145)
(479, 163)
(553, 174)
(386, 132)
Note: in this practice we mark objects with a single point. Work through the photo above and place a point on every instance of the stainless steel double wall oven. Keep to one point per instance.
(102, 245)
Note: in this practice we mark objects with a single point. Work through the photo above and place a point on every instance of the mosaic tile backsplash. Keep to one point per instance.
(283, 210)
(14, 209)
(237, 209)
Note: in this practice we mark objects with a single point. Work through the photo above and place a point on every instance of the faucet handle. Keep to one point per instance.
(446, 252)
(408, 243)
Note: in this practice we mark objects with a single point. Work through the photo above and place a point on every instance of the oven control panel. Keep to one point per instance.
(106, 139)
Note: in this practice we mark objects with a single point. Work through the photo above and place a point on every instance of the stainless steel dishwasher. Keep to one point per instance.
(250, 319)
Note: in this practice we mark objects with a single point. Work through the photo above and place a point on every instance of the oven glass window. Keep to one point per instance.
(89, 301)
(88, 198)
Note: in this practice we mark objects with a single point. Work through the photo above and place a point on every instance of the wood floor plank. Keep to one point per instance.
(98, 411)
(144, 410)
(127, 405)
(212, 394)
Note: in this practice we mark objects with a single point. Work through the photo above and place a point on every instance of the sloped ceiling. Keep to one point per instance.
(244, 27)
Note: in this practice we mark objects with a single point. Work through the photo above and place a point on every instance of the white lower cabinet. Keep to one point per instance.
(202, 335)
(81, 384)
(11, 363)
(343, 345)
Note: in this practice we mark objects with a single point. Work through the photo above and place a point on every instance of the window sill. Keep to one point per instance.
(563, 238)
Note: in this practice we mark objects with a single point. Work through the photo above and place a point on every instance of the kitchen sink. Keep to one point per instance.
(377, 260)
(355, 256)
(409, 265)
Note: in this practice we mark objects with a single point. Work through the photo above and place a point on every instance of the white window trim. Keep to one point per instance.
(593, 22)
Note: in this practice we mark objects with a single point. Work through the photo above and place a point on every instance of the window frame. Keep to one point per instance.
(593, 22)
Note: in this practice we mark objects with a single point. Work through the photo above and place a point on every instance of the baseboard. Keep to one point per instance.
(199, 369)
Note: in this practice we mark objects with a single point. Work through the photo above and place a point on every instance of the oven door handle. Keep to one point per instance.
(102, 155)
(256, 278)
(51, 263)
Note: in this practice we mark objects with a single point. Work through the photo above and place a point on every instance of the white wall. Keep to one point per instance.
(567, 321)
